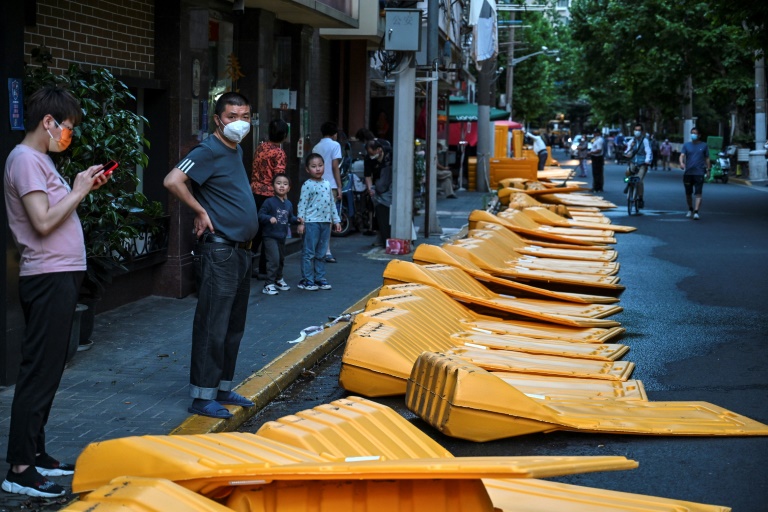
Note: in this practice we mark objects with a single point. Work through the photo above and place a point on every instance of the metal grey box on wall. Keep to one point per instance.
(402, 32)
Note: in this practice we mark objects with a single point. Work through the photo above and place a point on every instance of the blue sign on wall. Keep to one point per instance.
(16, 103)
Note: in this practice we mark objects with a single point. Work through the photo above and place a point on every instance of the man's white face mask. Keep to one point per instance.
(236, 130)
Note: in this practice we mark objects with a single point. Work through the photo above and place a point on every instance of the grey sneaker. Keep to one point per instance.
(307, 285)
(689, 214)
(280, 284)
(695, 216)
(323, 284)
(269, 290)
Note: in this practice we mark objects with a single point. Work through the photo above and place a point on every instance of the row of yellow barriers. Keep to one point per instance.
(503, 333)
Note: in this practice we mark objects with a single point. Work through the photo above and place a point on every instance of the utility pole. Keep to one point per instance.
(431, 223)
(510, 67)
(401, 212)
(757, 164)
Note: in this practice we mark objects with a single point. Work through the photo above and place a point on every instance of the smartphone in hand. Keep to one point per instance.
(109, 167)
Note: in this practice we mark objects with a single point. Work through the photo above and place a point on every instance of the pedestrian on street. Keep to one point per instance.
(226, 220)
(655, 148)
(275, 219)
(665, 150)
(317, 209)
(330, 149)
(540, 148)
(268, 161)
(694, 160)
(583, 153)
(41, 208)
(444, 175)
(639, 154)
(380, 187)
(597, 153)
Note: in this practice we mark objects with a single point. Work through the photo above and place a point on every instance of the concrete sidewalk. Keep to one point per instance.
(134, 380)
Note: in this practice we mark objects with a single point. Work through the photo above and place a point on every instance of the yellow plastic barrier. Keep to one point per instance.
(426, 254)
(535, 231)
(513, 258)
(487, 256)
(577, 200)
(521, 222)
(519, 362)
(543, 216)
(501, 168)
(127, 494)
(461, 286)
(357, 427)
(602, 352)
(463, 400)
(560, 251)
(518, 200)
(431, 303)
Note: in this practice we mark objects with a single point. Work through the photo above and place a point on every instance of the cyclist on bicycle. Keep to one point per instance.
(639, 154)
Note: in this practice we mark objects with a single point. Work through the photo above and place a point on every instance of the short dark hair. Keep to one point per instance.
(373, 144)
(280, 175)
(640, 125)
(364, 134)
(278, 130)
(695, 128)
(53, 100)
(230, 98)
(311, 157)
(329, 129)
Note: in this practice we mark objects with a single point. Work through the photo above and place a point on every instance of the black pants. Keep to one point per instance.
(598, 162)
(542, 159)
(382, 218)
(274, 248)
(48, 302)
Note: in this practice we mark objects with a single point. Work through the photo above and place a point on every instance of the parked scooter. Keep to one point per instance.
(721, 168)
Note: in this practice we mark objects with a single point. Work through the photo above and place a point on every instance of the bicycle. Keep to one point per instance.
(633, 199)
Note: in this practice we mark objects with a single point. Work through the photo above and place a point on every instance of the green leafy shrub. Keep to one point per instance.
(108, 131)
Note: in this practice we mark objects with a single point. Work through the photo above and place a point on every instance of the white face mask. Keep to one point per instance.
(236, 130)
(637, 134)
(694, 136)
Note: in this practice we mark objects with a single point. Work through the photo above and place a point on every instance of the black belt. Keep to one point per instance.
(542, 151)
(209, 238)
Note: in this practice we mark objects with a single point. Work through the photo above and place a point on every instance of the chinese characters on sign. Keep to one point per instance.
(16, 104)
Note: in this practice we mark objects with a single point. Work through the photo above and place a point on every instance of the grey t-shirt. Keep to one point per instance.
(220, 184)
(696, 154)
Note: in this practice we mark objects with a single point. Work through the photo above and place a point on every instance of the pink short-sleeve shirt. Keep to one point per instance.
(63, 250)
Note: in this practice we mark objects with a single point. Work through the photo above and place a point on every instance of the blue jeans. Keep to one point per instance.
(224, 285)
(313, 249)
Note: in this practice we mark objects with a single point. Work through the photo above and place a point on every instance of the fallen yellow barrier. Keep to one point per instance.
(426, 254)
(463, 287)
(357, 427)
(550, 250)
(462, 400)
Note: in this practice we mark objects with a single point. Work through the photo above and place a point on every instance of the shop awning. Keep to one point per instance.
(467, 112)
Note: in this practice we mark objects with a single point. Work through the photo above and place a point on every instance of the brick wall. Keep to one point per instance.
(117, 34)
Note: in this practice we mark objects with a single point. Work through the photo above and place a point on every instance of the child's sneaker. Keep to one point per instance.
(307, 285)
(323, 284)
(269, 290)
(31, 483)
(282, 285)
(48, 466)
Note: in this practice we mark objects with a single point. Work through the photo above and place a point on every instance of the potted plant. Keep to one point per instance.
(117, 212)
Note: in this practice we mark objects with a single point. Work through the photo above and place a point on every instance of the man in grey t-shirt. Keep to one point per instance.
(225, 222)
(694, 160)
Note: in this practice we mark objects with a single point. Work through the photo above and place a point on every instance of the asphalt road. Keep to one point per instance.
(696, 314)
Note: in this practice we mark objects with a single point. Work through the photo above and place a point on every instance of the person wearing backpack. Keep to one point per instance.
(639, 154)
